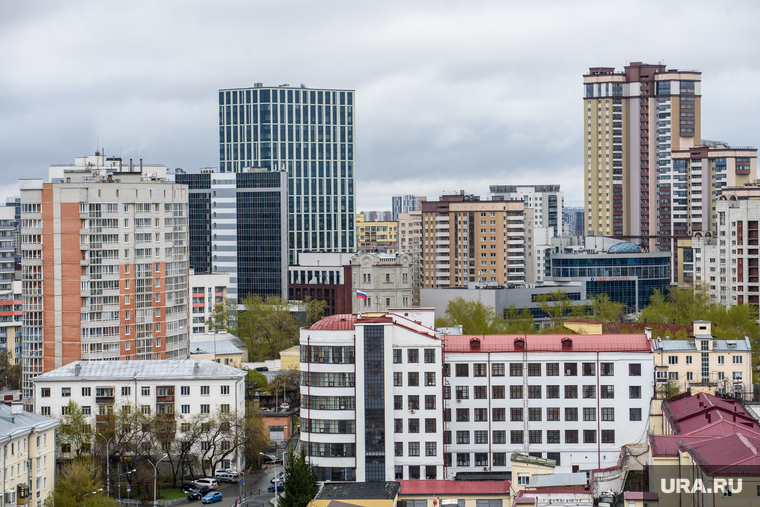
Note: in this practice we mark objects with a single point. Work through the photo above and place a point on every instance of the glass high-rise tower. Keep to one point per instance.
(310, 134)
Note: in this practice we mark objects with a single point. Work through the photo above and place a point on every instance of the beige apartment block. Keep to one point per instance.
(381, 237)
(467, 240)
(704, 364)
(410, 241)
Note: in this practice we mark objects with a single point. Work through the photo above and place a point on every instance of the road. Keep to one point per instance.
(255, 489)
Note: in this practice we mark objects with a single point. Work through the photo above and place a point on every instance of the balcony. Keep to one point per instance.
(104, 400)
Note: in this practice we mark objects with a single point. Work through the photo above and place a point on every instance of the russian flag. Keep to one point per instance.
(360, 295)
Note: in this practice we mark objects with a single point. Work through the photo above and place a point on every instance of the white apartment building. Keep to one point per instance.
(546, 201)
(176, 389)
(28, 468)
(105, 255)
(385, 278)
(574, 399)
(371, 397)
(207, 291)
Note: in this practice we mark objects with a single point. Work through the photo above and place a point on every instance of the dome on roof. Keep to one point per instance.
(626, 247)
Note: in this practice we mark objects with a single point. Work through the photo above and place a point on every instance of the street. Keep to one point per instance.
(255, 489)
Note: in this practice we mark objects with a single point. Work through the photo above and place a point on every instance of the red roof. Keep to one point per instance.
(691, 413)
(549, 343)
(735, 454)
(343, 322)
(454, 487)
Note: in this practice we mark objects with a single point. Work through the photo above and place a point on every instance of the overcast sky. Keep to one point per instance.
(449, 95)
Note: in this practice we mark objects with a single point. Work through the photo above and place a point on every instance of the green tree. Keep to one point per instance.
(604, 310)
(224, 317)
(315, 309)
(474, 317)
(266, 326)
(256, 434)
(75, 430)
(286, 387)
(518, 320)
(77, 479)
(557, 305)
(10, 373)
(300, 482)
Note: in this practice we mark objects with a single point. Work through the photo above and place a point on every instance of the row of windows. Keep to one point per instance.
(535, 369)
(413, 378)
(536, 414)
(414, 402)
(721, 359)
(108, 392)
(534, 437)
(517, 392)
(413, 425)
(412, 355)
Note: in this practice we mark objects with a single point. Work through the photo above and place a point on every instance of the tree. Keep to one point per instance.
(255, 381)
(266, 326)
(223, 317)
(315, 309)
(75, 430)
(10, 373)
(557, 305)
(256, 434)
(604, 310)
(474, 317)
(287, 383)
(518, 321)
(77, 479)
(300, 482)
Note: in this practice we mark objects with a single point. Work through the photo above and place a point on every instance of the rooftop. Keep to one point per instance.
(142, 370)
(558, 480)
(548, 343)
(359, 491)
(24, 421)
(220, 347)
(454, 487)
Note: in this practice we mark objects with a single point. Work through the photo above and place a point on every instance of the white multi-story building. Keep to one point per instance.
(546, 201)
(371, 397)
(28, 469)
(405, 204)
(175, 389)
(574, 399)
(207, 290)
(105, 255)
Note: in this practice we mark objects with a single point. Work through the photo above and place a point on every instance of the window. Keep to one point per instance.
(534, 369)
(430, 355)
(515, 369)
(45, 392)
(608, 414)
(552, 413)
(589, 413)
(446, 370)
(515, 392)
(589, 392)
(430, 402)
(463, 415)
(737, 359)
(463, 459)
(414, 378)
(553, 436)
(414, 402)
(534, 392)
(446, 392)
(431, 449)
(429, 378)
(463, 437)
(86, 391)
(571, 436)
(634, 392)
(498, 392)
(145, 391)
(66, 392)
(535, 436)
(480, 392)
(516, 436)
(413, 356)
(462, 392)
(462, 370)
(589, 436)
(589, 369)
(634, 370)
(185, 409)
(414, 448)
(607, 392)
(499, 414)
(45, 411)
(481, 414)
(552, 392)
(523, 479)
(674, 359)
(398, 402)
(552, 369)
(205, 409)
(571, 369)
(205, 390)
(430, 425)
(479, 370)
(497, 369)
(145, 409)
(481, 437)
(634, 414)
(607, 369)
(608, 436)
(398, 378)
(396, 356)
(184, 390)
(126, 391)
(571, 392)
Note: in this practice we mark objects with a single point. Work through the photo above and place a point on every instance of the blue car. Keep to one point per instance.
(215, 496)
(280, 487)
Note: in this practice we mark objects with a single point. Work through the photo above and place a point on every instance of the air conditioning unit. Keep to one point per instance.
(343, 407)
(321, 430)
(411, 410)
(331, 384)
(459, 400)
(321, 407)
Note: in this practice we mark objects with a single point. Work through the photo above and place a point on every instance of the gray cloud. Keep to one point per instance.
(450, 95)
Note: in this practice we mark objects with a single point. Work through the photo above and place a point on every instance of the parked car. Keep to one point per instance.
(198, 493)
(208, 481)
(280, 487)
(271, 459)
(278, 478)
(226, 476)
(187, 486)
(215, 496)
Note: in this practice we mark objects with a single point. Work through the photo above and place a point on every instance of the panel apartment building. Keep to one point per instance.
(466, 240)
(239, 226)
(104, 266)
(649, 176)
(309, 133)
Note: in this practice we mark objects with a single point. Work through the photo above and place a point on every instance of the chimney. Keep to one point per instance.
(17, 408)
(130, 165)
(77, 369)
(141, 173)
(197, 369)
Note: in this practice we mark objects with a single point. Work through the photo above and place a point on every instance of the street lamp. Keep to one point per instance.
(155, 476)
(108, 464)
(130, 472)
(84, 498)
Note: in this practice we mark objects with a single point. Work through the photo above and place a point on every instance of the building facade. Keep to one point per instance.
(175, 389)
(309, 134)
(104, 268)
(410, 241)
(240, 228)
(573, 399)
(624, 273)
(405, 204)
(546, 201)
(29, 459)
(376, 236)
(207, 291)
(466, 240)
(371, 397)
(386, 279)
(10, 290)
(322, 276)
(704, 364)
